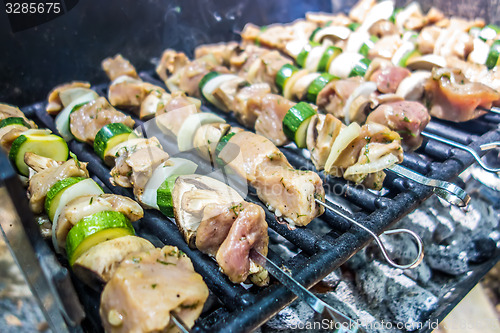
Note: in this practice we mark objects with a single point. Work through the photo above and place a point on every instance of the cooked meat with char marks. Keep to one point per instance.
(147, 287)
(134, 168)
(42, 181)
(118, 66)
(87, 205)
(452, 97)
(290, 193)
(389, 78)
(271, 109)
(406, 118)
(54, 101)
(130, 93)
(91, 117)
(333, 96)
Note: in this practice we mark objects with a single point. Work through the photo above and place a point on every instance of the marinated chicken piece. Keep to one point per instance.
(385, 47)
(179, 100)
(388, 79)
(243, 58)
(476, 73)
(87, 205)
(118, 66)
(42, 181)
(321, 133)
(7, 111)
(454, 42)
(96, 266)
(54, 101)
(207, 137)
(8, 134)
(221, 51)
(427, 38)
(130, 146)
(91, 117)
(334, 95)
(216, 220)
(323, 19)
(265, 68)
(134, 168)
(359, 11)
(154, 102)
(280, 36)
(171, 61)
(271, 109)
(406, 118)
(452, 97)
(147, 287)
(288, 192)
(172, 120)
(247, 116)
(39, 163)
(130, 93)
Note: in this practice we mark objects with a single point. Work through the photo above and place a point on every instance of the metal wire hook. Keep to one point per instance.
(471, 151)
(418, 240)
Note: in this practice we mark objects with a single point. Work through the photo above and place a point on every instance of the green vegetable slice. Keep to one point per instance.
(360, 68)
(209, 76)
(164, 196)
(317, 85)
(95, 229)
(296, 121)
(353, 26)
(54, 194)
(285, 72)
(14, 121)
(493, 55)
(109, 136)
(39, 142)
(330, 53)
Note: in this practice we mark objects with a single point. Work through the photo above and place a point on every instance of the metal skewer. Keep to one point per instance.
(443, 189)
(493, 109)
(181, 325)
(319, 306)
(418, 240)
(486, 146)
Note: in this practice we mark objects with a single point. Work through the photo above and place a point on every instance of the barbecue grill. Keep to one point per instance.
(141, 31)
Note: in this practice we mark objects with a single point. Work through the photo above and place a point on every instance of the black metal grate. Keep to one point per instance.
(236, 308)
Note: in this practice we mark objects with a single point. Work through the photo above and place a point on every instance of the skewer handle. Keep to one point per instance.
(445, 190)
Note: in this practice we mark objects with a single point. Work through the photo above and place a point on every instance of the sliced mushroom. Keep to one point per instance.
(321, 133)
(152, 103)
(207, 137)
(426, 62)
(54, 101)
(130, 145)
(96, 266)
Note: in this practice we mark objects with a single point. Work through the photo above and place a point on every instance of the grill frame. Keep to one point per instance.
(244, 310)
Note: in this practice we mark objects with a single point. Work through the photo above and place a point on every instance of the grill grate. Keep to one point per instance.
(239, 309)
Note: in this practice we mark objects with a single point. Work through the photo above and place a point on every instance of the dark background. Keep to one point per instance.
(72, 46)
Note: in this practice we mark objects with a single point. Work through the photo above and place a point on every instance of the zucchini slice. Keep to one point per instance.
(285, 72)
(368, 45)
(174, 166)
(493, 55)
(191, 125)
(212, 81)
(360, 68)
(330, 53)
(489, 32)
(296, 121)
(40, 142)
(14, 121)
(62, 119)
(111, 135)
(343, 64)
(222, 143)
(95, 229)
(53, 196)
(317, 85)
(164, 196)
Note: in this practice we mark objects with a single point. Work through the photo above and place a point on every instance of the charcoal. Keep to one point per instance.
(297, 314)
(482, 250)
(447, 259)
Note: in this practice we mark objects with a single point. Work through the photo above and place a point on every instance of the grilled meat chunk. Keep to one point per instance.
(8, 134)
(147, 287)
(91, 117)
(321, 134)
(271, 109)
(406, 118)
(118, 66)
(334, 95)
(130, 145)
(7, 111)
(288, 192)
(171, 61)
(129, 93)
(78, 208)
(389, 78)
(54, 101)
(221, 51)
(452, 97)
(42, 181)
(243, 111)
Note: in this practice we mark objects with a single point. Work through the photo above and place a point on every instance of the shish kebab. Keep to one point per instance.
(406, 37)
(231, 230)
(214, 140)
(255, 106)
(145, 288)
